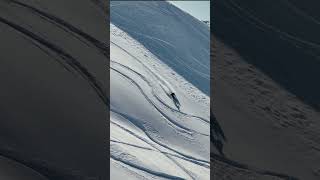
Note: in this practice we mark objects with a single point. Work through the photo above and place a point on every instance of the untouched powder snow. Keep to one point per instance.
(160, 124)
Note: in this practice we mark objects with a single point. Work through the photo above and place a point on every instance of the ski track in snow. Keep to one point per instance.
(156, 90)
(161, 80)
(259, 24)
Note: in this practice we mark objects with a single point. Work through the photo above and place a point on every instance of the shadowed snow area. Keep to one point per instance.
(53, 108)
(160, 124)
(266, 95)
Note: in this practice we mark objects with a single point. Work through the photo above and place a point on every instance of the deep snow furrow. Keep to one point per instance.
(138, 174)
(45, 168)
(163, 152)
(158, 98)
(189, 131)
(145, 132)
(146, 141)
(156, 107)
(102, 47)
(160, 79)
(149, 171)
(147, 68)
(68, 59)
(23, 163)
(163, 145)
(158, 71)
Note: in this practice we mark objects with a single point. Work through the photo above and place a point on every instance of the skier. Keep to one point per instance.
(175, 100)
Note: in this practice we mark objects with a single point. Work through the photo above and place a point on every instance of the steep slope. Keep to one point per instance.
(53, 89)
(160, 125)
(162, 28)
(267, 127)
(266, 98)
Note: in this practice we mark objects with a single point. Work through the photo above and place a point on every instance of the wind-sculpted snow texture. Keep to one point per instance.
(160, 121)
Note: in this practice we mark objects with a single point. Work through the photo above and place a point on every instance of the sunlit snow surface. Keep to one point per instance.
(151, 137)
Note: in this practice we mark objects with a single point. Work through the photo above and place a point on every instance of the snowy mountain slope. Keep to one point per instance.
(170, 34)
(265, 96)
(160, 125)
(267, 127)
(53, 90)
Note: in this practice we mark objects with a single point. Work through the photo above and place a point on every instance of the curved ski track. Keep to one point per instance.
(66, 59)
(176, 125)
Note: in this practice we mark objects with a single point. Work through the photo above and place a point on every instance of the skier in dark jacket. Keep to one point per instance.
(175, 100)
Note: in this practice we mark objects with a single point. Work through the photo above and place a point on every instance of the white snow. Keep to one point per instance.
(151, 138)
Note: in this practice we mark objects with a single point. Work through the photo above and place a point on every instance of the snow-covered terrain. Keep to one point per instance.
(266, 95)
(53, 59)
(159, 103)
